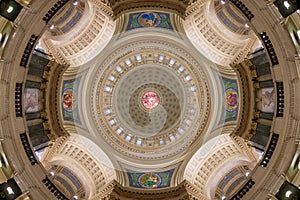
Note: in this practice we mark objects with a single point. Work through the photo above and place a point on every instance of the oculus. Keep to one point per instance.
(150, 100)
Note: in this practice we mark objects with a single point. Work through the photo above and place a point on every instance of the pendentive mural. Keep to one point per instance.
(150, 180)
(149, 19)
(70, 100)
(231, 99)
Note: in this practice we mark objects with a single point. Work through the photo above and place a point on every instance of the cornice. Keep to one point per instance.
(246, 118)
(53, 76)
(120, 7)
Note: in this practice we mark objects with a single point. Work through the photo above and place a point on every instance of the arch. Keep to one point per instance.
(86, 159)
(213, 39)
(212, 160)
(88, 36)
(66, 162)
(99, 155)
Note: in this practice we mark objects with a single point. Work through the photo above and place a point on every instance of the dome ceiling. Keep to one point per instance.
(181, 113)
(149, 99)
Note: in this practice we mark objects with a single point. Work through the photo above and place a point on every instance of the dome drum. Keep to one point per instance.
(151, 110)
(143, 130)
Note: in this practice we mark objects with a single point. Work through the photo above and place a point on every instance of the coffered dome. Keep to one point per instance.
(182, 102)
(150, 99)
(132, 99)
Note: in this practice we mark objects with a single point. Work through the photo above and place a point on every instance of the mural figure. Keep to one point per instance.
(268, 99)
(149, 19)
(69, 99)
(149, 180)
(31, 100)
(231, 96)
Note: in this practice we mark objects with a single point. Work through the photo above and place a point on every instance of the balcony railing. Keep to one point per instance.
(280, 99)
(58, 5)
(28, 49)
(18, 99)
(242, 192)
(28, 149)
(270, 150)
(242, 7)
(270, 49)
(59, 195)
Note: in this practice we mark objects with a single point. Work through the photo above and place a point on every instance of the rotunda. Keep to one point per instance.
(131, 99)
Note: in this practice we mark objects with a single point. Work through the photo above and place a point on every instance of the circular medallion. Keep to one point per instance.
(69, 101)
(149, 180)
(150, 100)
(149, 19)
(231, 96)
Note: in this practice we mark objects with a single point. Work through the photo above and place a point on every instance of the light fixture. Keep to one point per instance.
(38, 155)
(260, 157)
(172, 138)
(288, 194)
(75, 197)
(172, 61)
(286, 4)
(181, 68)
(193, 88)
(188, 122)
(223, 197)
(107, 111)
(138, 57)
(181, 131)
(107, 89)
(75, 3)
(51, 173)
(10, 190)
(118, 69)
(247, 25)
(161, 142)
(161, 57)
(111, 122)
(111, 78)
(188, 78)
(247, 174)
(128, 62)
(51, 26)
(193, 111)
(139, 142)
(10, 9)
(223, 2)
(118, 131)
(128, 138)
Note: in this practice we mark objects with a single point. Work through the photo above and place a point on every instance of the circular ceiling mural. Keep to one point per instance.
(151, 104)
(231, 96)
(149, 19)
(150, 100)
(69, 100)
(149, 180)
